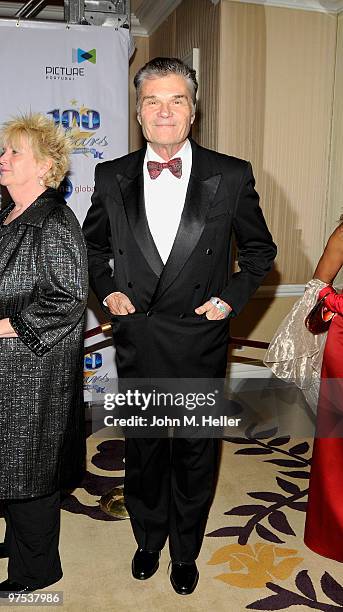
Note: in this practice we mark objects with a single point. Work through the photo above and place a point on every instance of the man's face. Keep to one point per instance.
(166, 111)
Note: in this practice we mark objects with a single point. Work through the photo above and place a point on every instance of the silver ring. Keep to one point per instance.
(219, 305)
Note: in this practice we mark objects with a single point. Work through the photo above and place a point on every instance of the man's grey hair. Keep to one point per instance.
(164, 66)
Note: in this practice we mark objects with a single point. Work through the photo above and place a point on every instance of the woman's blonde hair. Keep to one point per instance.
(47, 141)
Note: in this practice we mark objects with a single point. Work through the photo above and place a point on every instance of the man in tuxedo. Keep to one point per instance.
(166, 214)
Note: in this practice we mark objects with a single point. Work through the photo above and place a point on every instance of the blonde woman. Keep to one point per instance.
(43, 293)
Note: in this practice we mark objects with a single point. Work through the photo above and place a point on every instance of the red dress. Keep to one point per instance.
(324, 518)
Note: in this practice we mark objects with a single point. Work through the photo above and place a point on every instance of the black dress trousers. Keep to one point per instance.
(169, 486)
(32, 536)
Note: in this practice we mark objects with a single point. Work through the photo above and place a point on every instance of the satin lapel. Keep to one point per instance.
(133, 197)
(200, 194)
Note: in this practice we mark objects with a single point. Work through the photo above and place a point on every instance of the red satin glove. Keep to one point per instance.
(334, 302)
(325, 291)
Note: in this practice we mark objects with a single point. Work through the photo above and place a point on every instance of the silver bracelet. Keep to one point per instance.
(219, 305)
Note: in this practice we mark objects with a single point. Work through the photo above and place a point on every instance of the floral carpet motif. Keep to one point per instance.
(254, 566)
(268, 562)
(260, 558)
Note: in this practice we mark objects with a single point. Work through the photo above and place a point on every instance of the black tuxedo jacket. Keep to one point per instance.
(165, 338)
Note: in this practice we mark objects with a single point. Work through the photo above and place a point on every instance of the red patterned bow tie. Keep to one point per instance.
(174, 165)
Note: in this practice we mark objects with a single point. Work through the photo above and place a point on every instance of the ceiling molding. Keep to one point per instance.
(319, 6)
(136, 27)
(151, 13)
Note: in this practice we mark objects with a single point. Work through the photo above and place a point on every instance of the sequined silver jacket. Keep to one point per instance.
(43, 290)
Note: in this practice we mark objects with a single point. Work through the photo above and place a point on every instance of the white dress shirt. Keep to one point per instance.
(165, 198)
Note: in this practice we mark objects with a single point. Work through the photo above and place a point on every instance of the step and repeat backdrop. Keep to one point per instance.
(78, 76)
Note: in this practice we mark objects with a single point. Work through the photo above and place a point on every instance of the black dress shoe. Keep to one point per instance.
(8, 586)
(144, 564)
(184, 577)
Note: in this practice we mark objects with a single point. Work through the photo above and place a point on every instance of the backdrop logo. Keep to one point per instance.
(94, 379)
(93, 361)
(70, 73)
(79, 56)
(66, 188)
(64, 73)
(83, 125)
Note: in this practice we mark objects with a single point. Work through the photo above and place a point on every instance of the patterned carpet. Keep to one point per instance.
(253, 556)
(277, 560)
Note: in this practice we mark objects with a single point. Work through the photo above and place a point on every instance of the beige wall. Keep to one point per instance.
(162, 41)
(135, 4)
(195, 23)
(275, 108)
(335, 200)
(335, 207)
(140, 57)
(276, 84)
(259, 321)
